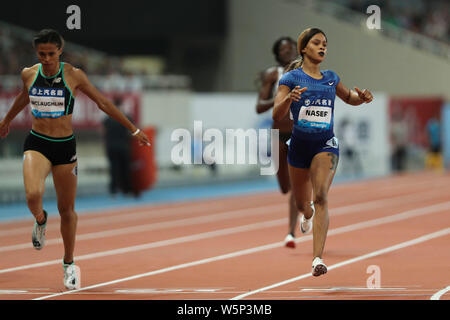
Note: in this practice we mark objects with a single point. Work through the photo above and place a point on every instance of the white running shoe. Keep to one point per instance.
(289, 241)
(307, 224)
(38, 234)
(72, 277)
(318, 267)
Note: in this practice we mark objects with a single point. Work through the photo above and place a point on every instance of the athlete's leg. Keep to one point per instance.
(301, 189)
(65, 181)
(285, 185)
(36, 168)
(323, 167)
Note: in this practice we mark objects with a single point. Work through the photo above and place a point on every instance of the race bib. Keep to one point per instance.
(315, 117)
(47, 103)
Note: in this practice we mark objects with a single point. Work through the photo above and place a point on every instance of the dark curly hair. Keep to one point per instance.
(277, 44)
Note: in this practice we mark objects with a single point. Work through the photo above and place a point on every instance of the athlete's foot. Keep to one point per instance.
(307, 224)
(318, 267)
(38, 234)
(289, 241)
(72, 277)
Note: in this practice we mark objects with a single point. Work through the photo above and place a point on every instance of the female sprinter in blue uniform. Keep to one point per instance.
(50, 88)
(285, 51)
(309, 94)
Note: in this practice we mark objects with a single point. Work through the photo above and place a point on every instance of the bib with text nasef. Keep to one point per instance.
(315, 117)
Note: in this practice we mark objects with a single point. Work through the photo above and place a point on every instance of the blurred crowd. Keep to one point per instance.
(16, 52)
(427, 17)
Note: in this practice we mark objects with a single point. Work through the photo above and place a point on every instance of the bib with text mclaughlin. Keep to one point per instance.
(47, 102)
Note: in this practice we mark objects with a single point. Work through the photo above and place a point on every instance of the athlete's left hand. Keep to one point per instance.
(365, 95)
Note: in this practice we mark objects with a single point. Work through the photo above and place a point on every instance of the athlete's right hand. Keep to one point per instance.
(4, 129)
(296, 93)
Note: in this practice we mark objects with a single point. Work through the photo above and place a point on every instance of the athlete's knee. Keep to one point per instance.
(67, 211)
(33, 197)
(285, 188)
(321, 197)
(303, 206)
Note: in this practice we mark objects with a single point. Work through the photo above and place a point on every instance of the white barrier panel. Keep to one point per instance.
(369, 123)
(367, 135)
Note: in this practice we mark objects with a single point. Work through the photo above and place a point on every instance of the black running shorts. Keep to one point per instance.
(56, 150)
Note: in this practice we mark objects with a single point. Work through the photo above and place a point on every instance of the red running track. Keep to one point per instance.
(388, 239)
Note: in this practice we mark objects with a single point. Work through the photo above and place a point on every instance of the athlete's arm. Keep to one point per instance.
(104, 104)
(265, 99)
(353, 97)
(20, 102)
(283, 100)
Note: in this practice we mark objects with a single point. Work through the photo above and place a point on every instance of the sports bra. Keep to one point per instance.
(50, 97)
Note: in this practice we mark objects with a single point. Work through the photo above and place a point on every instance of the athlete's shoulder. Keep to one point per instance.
(69, 68)
(73, 72)
(290, 74)
(29, 72)
(330, 74)
(272, 69)
(270, 73)
(289, 79)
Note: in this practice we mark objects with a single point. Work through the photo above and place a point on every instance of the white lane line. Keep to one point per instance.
(440, 293)
(211, 234)
(374, 204)
(150, 212)
(227, 231)
(138, 214)
(167, 290)
(13, 292)
(345, 289)
(356, 226)
(399, 246)
(157, 244)
(357, 207)
(156, 226)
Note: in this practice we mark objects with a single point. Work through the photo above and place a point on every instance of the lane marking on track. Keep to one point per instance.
(266, 224)
(14, 292)
(150, 212)
(344, 229)
(373, 296)
(155, 226)
(167, 290)
(335, 289)
(440, 293)
(399, 246)
(349, 209)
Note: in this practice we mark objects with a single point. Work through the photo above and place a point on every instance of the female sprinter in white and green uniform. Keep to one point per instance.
(50, 88)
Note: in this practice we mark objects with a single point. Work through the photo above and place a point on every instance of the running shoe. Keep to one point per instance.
(71, 276)
(38, 234)
(289, 241)
(318, 267)
(307, 224)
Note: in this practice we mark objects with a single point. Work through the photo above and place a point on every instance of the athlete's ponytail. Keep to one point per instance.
(297, 63)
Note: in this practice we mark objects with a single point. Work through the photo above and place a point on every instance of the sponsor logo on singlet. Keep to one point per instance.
(46, 102)
(316, 113)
